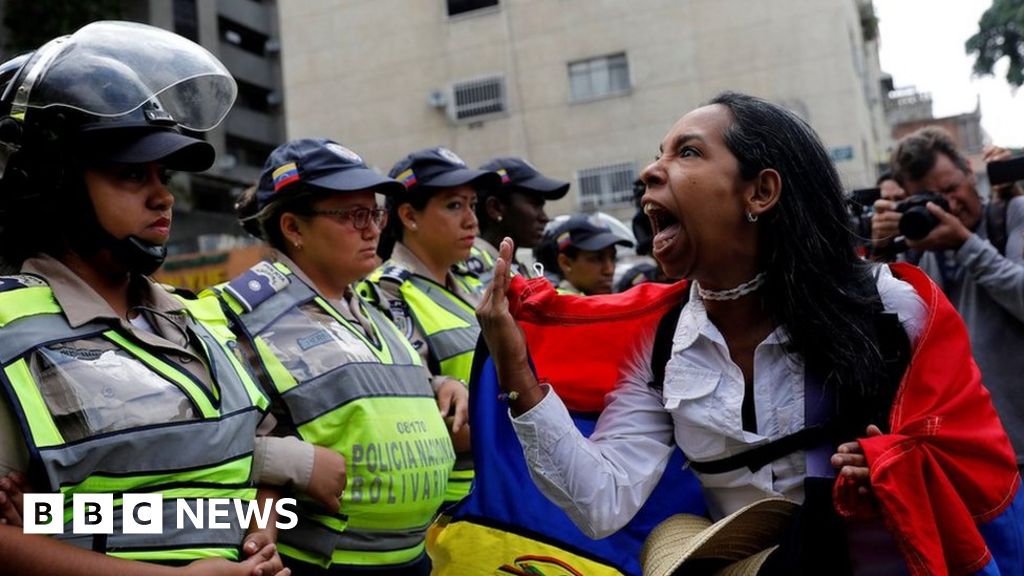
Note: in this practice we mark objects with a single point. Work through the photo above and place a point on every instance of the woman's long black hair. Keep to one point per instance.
(817, 288)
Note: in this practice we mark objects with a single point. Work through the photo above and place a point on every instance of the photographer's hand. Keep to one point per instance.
(949, 234)
(1001, 191)
(885, 224)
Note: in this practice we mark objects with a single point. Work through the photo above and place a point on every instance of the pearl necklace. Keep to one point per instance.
(732, 293)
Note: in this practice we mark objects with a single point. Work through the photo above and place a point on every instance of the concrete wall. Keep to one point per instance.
(361, 71)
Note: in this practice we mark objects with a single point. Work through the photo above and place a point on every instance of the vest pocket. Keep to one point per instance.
(93, 387)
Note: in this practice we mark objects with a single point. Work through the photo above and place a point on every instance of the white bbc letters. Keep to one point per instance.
(143, 514)
(93, 513)
(43, 513)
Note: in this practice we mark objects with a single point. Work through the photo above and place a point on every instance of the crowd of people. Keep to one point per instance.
(338, 370)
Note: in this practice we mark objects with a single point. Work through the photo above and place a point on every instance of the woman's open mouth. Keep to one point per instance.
(664, 225)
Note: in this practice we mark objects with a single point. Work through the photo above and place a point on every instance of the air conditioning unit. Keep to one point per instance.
(477, 98)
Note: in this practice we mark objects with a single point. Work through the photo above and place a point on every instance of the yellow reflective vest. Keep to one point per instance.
(370, 399)
(92, 403)
(451, 330)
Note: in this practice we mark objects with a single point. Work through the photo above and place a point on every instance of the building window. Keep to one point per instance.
(480, 97)
(242, 36)
(255, 97)
(186, 21)
(246, 152)
(456, 7)
(606, 186)
(598, 77)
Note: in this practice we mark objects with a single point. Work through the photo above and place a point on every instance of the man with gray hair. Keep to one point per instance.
(976, 259)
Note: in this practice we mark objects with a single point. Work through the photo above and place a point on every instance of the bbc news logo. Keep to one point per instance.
(143, 513)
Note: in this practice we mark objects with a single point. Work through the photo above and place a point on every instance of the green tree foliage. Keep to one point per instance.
(30, 23)
(1000, 33)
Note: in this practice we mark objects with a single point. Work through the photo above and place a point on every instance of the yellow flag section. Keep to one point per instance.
(467, 549)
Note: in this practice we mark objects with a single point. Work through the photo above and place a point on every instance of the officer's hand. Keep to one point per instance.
(265, 562)
(885, 223)
(850, 461)
(257, 540)
(12, 487)
(328, 480)
(453, 402)
(949, 234)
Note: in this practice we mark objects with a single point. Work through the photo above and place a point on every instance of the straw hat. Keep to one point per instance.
(736, 545)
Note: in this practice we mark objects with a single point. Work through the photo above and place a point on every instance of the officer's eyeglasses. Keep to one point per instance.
(360, 217)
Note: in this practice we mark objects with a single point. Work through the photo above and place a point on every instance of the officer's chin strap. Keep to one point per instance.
(137, 255)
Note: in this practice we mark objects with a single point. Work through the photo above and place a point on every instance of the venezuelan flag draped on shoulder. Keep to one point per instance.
(945, 479)
(505, 525)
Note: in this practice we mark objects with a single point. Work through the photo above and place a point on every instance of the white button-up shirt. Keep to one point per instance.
(602, 481)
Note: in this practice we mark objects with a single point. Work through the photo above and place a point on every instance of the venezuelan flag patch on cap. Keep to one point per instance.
(564, 240)
(407, 178)
(285, 175)
(504, 175)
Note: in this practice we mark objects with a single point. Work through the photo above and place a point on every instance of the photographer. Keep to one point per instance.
(975, 252)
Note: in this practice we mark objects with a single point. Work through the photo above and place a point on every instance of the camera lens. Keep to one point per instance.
(917, 222)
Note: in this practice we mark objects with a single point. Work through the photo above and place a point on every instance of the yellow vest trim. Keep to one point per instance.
(44, 429)
(167, 371)
(184, 555)
(22, 302)
(225, 472)
(438, 319)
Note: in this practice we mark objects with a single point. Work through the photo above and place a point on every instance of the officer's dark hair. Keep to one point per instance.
(917, 152)
(503, 194)
(817, 288)
(393, 232)
(247, 210)
(546, 253)
(298, 200)
(43, 190)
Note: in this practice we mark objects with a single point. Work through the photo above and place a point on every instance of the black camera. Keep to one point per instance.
(1005, 171)
(917, 221)
(860, 208)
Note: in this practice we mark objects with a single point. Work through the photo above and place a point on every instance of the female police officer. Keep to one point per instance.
(432, 227)
(115, 384)
(342, 375)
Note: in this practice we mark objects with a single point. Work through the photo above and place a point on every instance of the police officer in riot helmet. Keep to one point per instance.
(89, 126)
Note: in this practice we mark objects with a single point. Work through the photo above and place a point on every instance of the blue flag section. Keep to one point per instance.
(506, 526)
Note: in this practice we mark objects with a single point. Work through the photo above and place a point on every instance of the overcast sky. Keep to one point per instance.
(923, 45)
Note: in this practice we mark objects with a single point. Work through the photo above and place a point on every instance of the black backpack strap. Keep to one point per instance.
(662, 349)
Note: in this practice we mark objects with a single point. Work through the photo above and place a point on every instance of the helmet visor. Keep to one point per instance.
(110, 69)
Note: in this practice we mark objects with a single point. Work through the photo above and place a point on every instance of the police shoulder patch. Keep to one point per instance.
(16, 281)
(395, 274)
(257, 285)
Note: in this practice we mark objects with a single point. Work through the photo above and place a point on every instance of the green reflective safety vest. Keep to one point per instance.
(370, 400)
(91, 375)
(448, 324)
